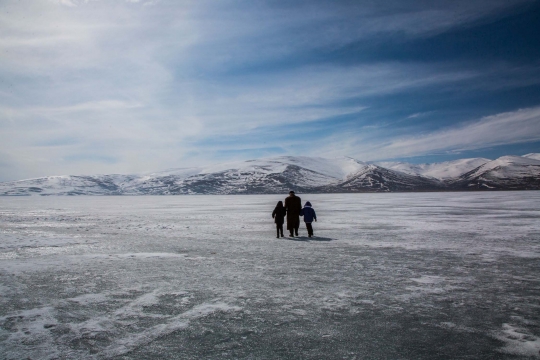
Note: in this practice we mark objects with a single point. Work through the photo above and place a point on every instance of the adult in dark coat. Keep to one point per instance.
(293, 205)
(279, 217)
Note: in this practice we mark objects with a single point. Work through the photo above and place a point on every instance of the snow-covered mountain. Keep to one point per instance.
(303, 174)
(68, 185)
(374, 178)
(441, 171)
(505, 173)
(535, 156)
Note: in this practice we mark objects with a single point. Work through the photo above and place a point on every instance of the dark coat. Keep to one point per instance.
(279, 215)
(293, 205)
(308, 213)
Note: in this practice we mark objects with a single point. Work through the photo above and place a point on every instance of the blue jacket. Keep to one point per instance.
(308, 213)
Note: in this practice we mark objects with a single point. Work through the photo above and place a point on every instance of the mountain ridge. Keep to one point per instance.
(301, 173)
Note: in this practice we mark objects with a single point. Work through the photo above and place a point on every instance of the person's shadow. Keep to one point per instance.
(308, 239)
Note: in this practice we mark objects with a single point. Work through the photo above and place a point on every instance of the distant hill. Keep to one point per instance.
(303, 174)
(534, 156)
(505, 173)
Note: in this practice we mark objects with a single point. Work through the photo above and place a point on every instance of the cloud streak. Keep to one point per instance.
(120, 86)
(501, 129)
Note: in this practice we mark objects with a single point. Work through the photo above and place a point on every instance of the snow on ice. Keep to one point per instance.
(410, 276)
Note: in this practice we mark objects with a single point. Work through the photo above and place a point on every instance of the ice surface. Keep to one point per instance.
(387, 276)
(519, 341)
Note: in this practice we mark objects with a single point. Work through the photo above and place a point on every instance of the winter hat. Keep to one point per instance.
(308, 204)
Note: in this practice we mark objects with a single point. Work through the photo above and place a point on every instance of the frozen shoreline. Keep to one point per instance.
(408, 275)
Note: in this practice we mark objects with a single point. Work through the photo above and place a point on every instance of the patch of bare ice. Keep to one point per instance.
(428, 279)
(452, 326)
(87, 299)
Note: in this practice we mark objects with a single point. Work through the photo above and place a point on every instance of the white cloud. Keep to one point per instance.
(142, 84)
(502, 129)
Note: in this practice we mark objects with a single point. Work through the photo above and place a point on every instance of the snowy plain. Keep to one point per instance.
(387, 276)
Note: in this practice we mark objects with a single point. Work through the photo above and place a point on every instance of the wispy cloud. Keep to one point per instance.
(506, 128)
(420, 114)
(84, 82)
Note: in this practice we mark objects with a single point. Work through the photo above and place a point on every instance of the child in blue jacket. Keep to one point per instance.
(309, 215)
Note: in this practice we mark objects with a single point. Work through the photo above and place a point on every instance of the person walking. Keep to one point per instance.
(279, 217)
(293, 206)
(309, 215)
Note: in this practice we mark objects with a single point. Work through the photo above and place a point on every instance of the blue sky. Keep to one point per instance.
(119, 86)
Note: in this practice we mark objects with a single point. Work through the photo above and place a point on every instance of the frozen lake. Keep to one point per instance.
(387, 276)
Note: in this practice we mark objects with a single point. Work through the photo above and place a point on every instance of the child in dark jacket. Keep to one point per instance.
(309, 215)
(279, 217)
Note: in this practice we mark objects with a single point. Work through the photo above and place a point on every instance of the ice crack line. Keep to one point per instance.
(179, 322)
